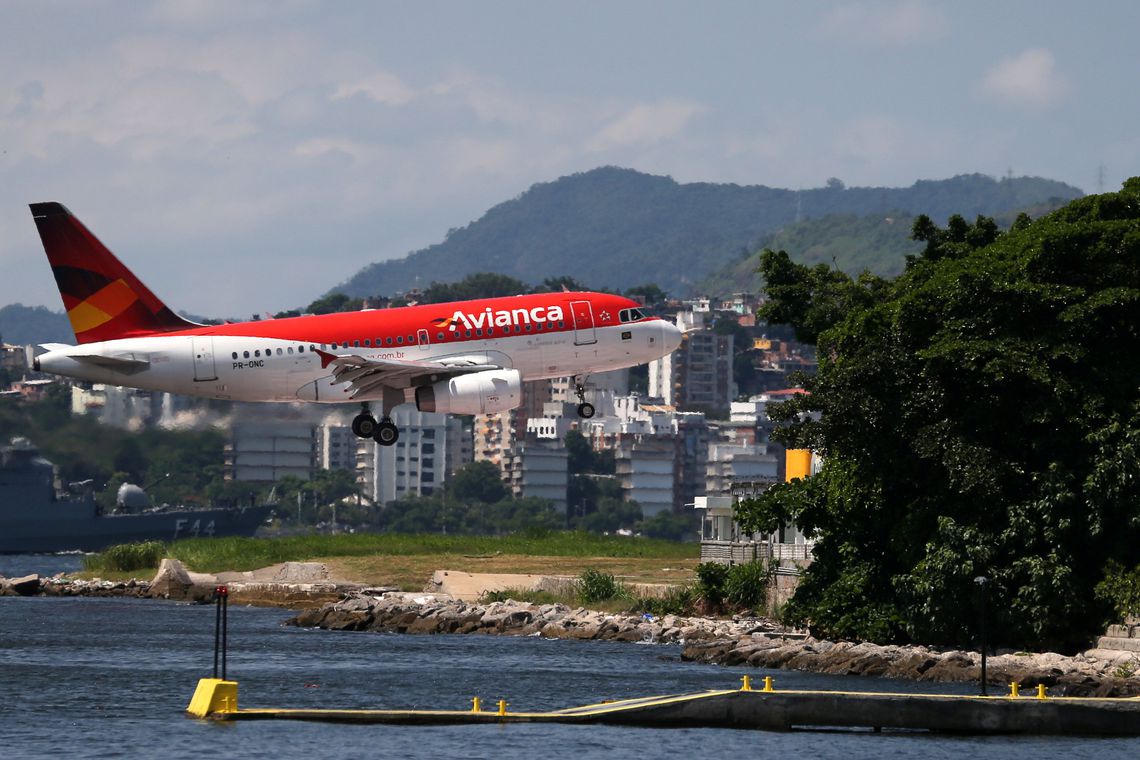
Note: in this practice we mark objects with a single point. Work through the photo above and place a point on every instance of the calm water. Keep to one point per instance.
(111, 678)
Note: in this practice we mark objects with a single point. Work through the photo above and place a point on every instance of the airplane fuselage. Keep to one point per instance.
(540, 336)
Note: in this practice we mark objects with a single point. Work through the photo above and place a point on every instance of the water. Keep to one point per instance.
(103, 678)
(19, 565)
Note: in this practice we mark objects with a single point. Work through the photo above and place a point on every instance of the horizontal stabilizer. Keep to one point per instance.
(132, 362)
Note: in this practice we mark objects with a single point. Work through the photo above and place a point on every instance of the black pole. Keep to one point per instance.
(982, 581)
(225, 626)
(217, 628)
(221, 625)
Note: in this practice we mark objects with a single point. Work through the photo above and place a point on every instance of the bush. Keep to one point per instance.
(678, 600)
(746, 586)
(711, 579)
(127, 557)
(1121, 589)
(524, 595)
(596, 586)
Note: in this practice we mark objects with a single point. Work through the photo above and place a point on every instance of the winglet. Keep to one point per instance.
(326, 358)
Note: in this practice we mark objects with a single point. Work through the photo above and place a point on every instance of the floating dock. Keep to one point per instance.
(765, 709)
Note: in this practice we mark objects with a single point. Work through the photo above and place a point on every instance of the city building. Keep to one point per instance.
(699, 372)
(644, 467)
(539, 468)
(420, 461)
(335, 443)
(265, 450)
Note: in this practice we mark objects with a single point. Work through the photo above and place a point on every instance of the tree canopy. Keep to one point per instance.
(979, 415)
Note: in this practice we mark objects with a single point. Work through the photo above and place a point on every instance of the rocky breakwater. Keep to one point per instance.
(59, 585)
(293, 585)
(397, 612)
(752, 642)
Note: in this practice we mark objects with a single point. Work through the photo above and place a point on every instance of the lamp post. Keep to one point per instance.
(982, 581)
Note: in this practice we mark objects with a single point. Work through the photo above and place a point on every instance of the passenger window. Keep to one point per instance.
(468, 333)
(257, 352)
(400, 339)
(528, 327)
(490, 331)
(388, 340)
(411, 339)
(479, 331)
(356, 344)
(290, 350)
(367, 342)
(235, 354)
(245, 354)
(439, 336)
(279, 352)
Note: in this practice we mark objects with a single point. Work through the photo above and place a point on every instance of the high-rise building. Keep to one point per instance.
(699, 372)
(265, 451)
(418, 464)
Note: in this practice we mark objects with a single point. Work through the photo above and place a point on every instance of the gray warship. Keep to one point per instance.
(35, 518)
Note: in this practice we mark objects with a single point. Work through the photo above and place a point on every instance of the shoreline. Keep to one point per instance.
(739, 641)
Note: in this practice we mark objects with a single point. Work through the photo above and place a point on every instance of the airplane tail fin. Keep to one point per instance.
(103, 299)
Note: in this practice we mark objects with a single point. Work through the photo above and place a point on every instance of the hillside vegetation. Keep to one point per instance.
(21, 325)
(978, 416)
(615, 228)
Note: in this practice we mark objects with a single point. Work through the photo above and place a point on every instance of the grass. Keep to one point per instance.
(408, 560)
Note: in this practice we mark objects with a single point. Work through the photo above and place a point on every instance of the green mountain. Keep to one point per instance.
(21, 325)
(616, 228)
(877, 243)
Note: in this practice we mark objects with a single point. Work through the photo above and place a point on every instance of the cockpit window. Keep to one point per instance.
(631, 315)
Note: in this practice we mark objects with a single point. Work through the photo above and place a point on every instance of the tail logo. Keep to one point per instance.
(101, 307)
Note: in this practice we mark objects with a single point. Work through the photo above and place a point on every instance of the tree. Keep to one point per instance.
(477, 482)
(479, 285)
(649, 292)
(334, 302)
(978, 415)
(559, 284)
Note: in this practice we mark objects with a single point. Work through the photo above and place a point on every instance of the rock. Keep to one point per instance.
(172, 581)
(27, 585)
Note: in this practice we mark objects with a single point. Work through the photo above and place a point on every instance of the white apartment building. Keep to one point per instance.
(418, 464)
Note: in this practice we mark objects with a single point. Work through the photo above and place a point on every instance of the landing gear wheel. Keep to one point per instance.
(585, 408)
(386, 433)
(364, 425)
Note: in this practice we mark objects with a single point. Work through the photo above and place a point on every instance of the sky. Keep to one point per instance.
(245, 157)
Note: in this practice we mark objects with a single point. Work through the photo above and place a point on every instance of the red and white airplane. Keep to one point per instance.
(467, 357)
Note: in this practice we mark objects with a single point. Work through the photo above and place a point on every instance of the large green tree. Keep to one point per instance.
(979, 415)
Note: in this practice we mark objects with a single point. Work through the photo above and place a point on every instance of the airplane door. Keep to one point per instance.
(423, 339)
(583, 314)
(203, 350)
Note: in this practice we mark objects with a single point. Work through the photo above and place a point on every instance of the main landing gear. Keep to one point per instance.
(585, 408)
(384, 432)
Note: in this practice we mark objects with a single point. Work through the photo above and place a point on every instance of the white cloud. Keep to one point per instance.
(218, 13)
(645, 123)
(904, 22)
(1028, 79)
(381, 87)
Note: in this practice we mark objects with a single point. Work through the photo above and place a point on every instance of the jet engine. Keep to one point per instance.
(487, 392)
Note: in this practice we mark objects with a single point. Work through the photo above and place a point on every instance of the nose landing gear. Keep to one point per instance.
(585, 408)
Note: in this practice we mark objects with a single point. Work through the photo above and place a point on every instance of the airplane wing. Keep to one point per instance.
(369, 375)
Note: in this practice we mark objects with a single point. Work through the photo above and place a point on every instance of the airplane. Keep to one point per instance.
(465, 357)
